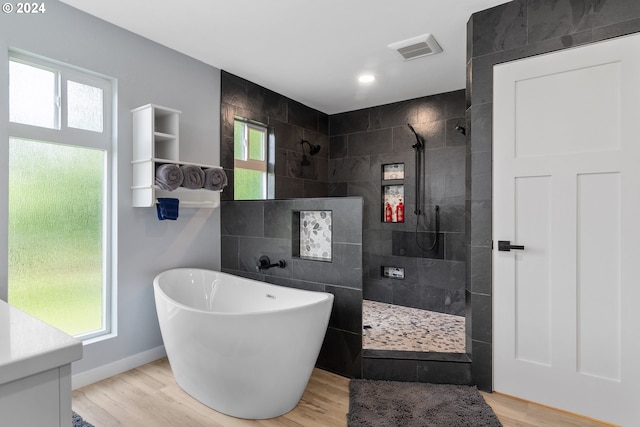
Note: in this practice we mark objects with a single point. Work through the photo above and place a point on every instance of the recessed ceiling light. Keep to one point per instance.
(366, 78)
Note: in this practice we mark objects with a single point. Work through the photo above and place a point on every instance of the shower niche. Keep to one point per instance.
(313, 240)
(393, 208)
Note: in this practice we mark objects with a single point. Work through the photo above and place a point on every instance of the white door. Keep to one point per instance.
(566, 186)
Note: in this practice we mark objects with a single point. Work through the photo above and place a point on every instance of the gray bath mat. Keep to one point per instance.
(77, 421)
(392, 403)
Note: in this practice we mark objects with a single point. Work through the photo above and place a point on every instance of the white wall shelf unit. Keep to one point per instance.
(156, 141)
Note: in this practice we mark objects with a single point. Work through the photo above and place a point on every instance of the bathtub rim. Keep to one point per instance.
(158, 291)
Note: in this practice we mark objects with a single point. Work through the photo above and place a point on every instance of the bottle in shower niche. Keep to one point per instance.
(400, 212)
(388, 213)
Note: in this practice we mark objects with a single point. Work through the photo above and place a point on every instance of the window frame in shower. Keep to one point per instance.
(245, 144)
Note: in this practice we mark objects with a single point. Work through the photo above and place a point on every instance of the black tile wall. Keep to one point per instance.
(243, 222)
(437, 368)
(341, 352)
(251, 229)
(349, 122)
(412, 244)
(361, 143)
(504, 27)
(514, 30)
(290, 122)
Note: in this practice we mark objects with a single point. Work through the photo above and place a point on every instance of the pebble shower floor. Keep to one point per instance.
(393, 327)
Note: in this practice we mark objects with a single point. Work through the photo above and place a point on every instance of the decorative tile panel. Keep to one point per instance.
(315, 235)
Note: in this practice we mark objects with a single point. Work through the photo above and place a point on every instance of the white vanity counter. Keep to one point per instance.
(35, 370)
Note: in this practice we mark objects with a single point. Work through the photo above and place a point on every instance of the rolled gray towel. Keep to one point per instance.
(193, 177)
(169, 176)
(215, 179)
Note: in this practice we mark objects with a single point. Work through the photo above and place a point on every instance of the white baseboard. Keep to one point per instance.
(105, 371)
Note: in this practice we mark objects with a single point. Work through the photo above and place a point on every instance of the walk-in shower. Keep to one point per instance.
(391, 326)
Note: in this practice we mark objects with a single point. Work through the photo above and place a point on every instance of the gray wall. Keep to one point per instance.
(364, 140)
(146, 73)
(290, 122)
(251, 229)
(515, 30)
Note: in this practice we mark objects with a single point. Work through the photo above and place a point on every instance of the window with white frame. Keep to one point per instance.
(250, 160)
(60, 174)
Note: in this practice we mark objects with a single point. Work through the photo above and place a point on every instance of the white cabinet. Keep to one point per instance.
(156, 141)
(35, 371)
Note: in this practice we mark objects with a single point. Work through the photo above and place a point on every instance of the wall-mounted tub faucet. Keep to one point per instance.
(264, 263)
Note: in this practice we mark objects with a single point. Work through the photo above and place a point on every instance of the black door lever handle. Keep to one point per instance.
(506, 246)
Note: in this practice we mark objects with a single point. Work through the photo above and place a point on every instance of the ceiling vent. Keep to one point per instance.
(417, 47)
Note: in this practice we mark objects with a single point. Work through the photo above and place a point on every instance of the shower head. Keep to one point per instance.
(461, 129)
(313, 150)
(420, 142)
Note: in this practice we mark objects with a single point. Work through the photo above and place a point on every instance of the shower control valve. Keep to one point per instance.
(264, 263)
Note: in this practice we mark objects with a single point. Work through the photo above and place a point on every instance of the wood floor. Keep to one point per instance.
(149, 396)
(514, 412)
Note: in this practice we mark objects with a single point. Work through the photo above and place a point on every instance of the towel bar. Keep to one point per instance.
(202, 204)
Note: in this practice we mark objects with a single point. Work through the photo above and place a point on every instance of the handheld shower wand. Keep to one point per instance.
(419, 146)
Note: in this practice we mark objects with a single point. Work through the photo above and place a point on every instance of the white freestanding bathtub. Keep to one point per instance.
(242, 347)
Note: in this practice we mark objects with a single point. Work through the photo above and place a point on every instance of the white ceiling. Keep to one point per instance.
(310, 51)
